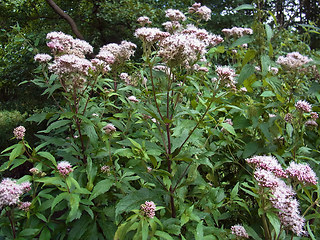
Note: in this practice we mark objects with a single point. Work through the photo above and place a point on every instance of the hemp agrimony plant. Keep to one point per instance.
(204, 138)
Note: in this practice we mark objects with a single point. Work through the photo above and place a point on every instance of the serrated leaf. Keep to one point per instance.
(229, 128)
(45, 234)
(59, 198)
(134, 199)
(275, 222)
(267, 94)
(48, 156)
(28, 232)
(74, 200)
(245, 73)
(100, 188)
(269, 32)
(17, 151)
(243, 40)
(163, 235)
(56, 125)
(199, 231)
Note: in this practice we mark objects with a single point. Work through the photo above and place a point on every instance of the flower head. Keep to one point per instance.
(303, 173)
(288, 118)
(105, 169)
(268, 163)
(10, 192)
(303, 106)
(282, 198)
(133, 99)
(237, 32)
(175, 15)
(293, 60)
(25, 206)
(148, 209)
(109, 128)
(19, 132)
(42, 58)
(203, 11)
(143, 20)
(239, 231)
(64, 168)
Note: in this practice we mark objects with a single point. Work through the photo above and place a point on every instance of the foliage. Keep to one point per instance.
(177, 130)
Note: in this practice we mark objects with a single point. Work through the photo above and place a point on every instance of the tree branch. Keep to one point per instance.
(59, 11)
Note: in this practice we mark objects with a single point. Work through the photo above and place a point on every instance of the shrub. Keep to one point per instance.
(175, 147)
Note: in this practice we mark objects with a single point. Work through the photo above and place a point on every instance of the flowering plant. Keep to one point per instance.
(178, 146)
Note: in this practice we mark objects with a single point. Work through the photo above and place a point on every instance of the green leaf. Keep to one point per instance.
(199, 231)
(91, 133)
(100, 188)
(134, 199)
(244, 7)
(245, 73)
(229, 128)
(267, 94)
(250, 54)
(268, 32)
(234, 192)
(144, 230)
(274, 220)
(41, 216)
(265, 64)
(56, 125)
(28, 232)
(45, 234)
(250, 149)
(17, 151)
(252, 233)
(310, 232)
(48, 156)
(74, 201)
(59, 198)
(163, 235)
(243, 40)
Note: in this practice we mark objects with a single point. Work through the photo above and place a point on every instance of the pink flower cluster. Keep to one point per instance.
(105, 169)
(172, 26)
(133, 99)
(302, 173)
(10, 192)
(61, 43)
(311, 123)
(150, 35)
(303, 106)
(268, 163)
(25, 206)
(175, 15)
(226, 76)
(109, 129)
(42, 57)
(266, 178)
(288, 118)
(237, 32)
(267, 173)
(148, 209)
(143, 20)
(282, 198)
(116, 53)
(239, 231)
(204, 12)
(64, 168)
(293, 60)
(19, 132)
(70, 64)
